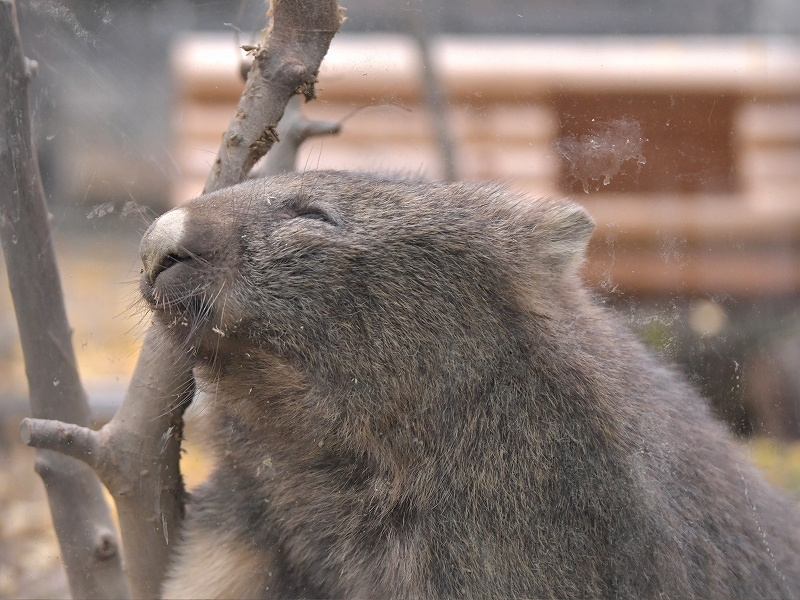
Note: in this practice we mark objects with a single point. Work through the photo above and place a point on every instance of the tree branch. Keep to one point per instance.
(66, 438)
(285, 64)
(163, 386)
(146, 483)
(80, 514)
(137, 453)
(435, 96)
(293, 130)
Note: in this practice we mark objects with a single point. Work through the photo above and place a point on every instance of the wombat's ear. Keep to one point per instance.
(558, 233)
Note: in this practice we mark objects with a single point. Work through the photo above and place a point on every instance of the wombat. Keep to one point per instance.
(414, 396)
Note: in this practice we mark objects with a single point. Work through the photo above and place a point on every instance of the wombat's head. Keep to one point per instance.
(357, 278)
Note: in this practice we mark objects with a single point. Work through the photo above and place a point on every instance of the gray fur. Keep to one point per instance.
(414, 396)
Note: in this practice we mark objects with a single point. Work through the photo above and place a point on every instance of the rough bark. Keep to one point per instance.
(137, 453)
(284, 65)
(81, 516)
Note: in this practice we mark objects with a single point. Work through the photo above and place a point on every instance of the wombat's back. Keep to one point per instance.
(670, 505)
(414, 396)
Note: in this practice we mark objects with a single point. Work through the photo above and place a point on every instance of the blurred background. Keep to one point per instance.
(677, 124)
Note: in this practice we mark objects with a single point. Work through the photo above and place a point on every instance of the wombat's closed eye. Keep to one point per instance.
(315, 214)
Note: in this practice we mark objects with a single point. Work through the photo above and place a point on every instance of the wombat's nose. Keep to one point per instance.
(162, 244)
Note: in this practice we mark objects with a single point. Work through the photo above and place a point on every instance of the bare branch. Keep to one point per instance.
(293, 130)
(150, 418)
(435, 96)
(81, 517)
(285, 65)
(147, 484)
(65, 438)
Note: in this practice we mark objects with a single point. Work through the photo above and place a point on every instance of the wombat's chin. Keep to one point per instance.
(194, 311)
(203, 339)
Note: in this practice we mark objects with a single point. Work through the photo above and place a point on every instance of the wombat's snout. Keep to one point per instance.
(189, 257)
(163, 244)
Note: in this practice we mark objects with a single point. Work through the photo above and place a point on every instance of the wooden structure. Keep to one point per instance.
(685, 150)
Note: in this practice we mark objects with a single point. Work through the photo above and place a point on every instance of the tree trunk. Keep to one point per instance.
(81, 516)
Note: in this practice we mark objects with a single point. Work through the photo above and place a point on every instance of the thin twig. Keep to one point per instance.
(435, 96)
(66, 438)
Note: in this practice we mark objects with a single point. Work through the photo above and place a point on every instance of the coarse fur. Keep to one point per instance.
(413, 396)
